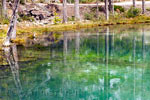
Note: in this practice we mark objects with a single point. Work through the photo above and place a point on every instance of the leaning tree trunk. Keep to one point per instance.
(12, 27)
(106, 10)
(65, 19)
(4, 9)
(143, 6)
(76, 9)
(12, 59)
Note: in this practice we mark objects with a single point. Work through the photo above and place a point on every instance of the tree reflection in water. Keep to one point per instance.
(65, 47)
(101, 67)
(12, 59)
(106, 79)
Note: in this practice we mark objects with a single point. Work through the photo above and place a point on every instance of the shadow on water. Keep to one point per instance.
(95, 64)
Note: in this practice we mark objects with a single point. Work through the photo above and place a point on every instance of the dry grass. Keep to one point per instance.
(24, 32)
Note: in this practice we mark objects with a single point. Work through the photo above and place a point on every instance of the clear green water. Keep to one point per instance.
(92, 64)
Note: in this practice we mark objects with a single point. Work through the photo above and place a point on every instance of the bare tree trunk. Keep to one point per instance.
(65, 19)
(113, 7)
(106, 10)
(13, 35)
(133, 3)
(76, 9)
(12, 27)
(143, 6)
(110, 5)
(97, 9)
(4, 9)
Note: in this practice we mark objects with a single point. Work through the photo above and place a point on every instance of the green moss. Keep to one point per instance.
(4, 20)
(3, 33)
(18, 41)
(28, 32)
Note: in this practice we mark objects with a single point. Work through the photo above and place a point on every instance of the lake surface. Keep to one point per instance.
(105, 63)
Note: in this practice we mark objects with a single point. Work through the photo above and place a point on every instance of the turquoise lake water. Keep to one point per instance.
(105, 63)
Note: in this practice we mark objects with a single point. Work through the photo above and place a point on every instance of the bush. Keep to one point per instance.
(148, 9)
(25, 18)
(87, 1)
(133, 12)
(72, 18)
(100, 8)
(89, 16)
(28, 18)
(120, 8)
(57, 19)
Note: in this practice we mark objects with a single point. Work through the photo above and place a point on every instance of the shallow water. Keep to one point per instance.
(108, 63)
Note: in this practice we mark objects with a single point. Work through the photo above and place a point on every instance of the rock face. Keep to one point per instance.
(38, 11)
(45, 13)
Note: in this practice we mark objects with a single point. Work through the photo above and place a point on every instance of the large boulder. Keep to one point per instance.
(38, 11)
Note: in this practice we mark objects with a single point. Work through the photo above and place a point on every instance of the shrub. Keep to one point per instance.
(72, 18)
(148, 9)
(100, 8)
(120, 8)
(25, 18)
(57, 19)
(101, 17)
(87, 1)
(88, 16)
(133, 12)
